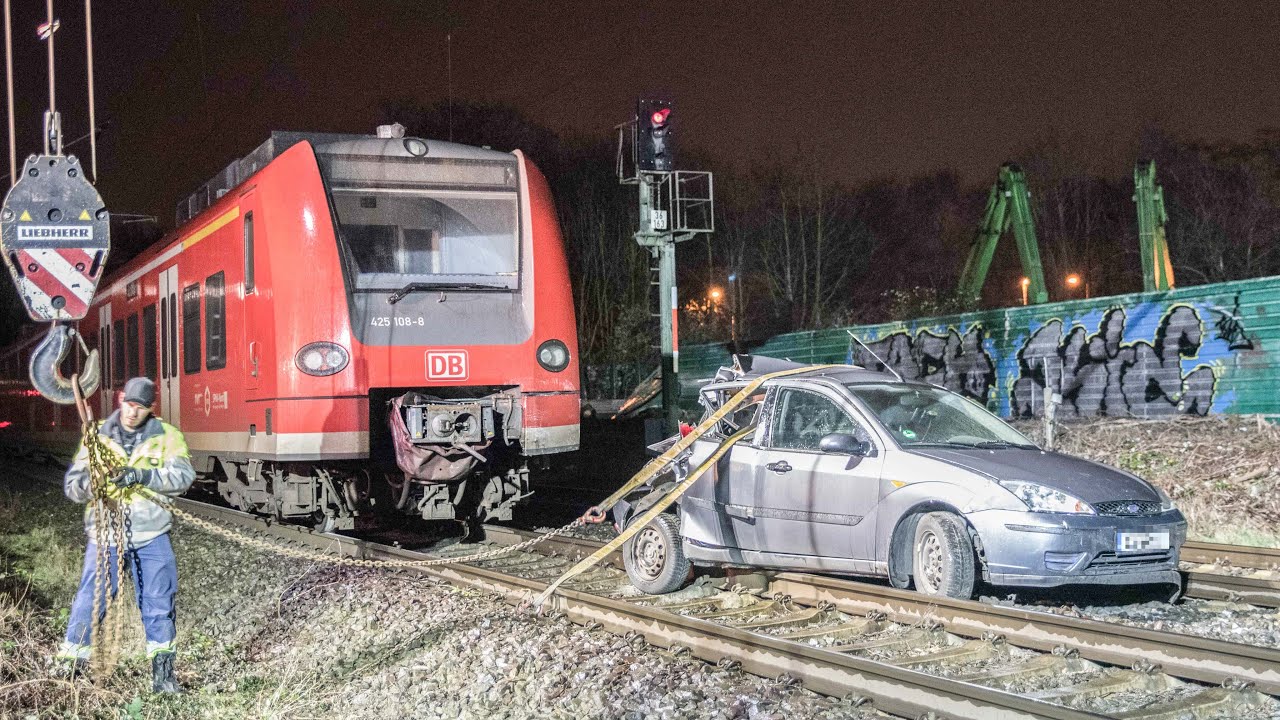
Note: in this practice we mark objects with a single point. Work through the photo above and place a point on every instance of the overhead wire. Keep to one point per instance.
(53, 107)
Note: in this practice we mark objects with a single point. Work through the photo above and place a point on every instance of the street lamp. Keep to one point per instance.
(1074, 281)
(1026, 284)
(716, 294)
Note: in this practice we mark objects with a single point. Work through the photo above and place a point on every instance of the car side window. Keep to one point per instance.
(801, 419)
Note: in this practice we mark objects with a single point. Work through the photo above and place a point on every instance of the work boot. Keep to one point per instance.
(162, 678)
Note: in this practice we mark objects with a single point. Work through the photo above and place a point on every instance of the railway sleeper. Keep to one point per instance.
(1111, 681)
(966, 652)
(795, 619)
(1037, 667)
(911, 638)
(855, 627)
(756, 608)
(1211, 703)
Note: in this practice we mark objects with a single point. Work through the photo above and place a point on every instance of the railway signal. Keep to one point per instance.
(675, 205)
(655, 151)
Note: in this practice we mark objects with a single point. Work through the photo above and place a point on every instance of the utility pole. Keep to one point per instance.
(675, 206)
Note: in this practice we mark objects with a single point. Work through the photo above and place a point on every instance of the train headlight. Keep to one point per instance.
(321, 358)
(553, 355)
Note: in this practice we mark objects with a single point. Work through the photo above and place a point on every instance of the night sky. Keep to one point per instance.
(869, 89)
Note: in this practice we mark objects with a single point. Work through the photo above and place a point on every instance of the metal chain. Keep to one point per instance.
(318, 556)
(110, 530)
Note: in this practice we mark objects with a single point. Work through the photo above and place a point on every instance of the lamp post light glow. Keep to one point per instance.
(1026, 285)
(716, 294)
(1076, 282)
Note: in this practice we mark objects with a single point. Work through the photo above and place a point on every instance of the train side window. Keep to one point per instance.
(191, 329)
(117, 352)
(131, 345)
(215, 321)
(149, 340)
(249, 284)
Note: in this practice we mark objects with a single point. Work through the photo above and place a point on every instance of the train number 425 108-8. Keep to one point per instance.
(385, 321)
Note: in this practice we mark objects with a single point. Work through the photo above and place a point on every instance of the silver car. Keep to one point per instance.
(857, 472)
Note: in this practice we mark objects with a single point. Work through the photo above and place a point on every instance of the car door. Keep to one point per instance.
(808, 502)
(717, 509)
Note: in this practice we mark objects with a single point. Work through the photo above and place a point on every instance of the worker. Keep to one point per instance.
(152, 454)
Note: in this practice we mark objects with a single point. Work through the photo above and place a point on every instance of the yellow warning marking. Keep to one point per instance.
(897, 483)
(25, 216)
(211, 228)
(84, 215)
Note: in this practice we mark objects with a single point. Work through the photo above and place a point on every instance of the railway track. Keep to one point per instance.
(1232, 572)
(907, 654)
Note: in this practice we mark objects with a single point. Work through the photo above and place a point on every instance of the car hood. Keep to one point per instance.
(1087, 480)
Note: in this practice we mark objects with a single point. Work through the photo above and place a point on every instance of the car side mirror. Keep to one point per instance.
(844, 444)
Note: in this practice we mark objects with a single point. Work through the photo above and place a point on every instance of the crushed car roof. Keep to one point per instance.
(749, 367)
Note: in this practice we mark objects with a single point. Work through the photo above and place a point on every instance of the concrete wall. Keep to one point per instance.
(1193, 351)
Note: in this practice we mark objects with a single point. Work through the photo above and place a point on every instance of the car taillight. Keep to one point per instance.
(553, 355)
(321, 358)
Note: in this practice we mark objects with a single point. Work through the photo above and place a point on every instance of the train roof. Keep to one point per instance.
(336, 143)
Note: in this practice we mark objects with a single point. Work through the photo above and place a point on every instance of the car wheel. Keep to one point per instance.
(654, 557)
(943, 560)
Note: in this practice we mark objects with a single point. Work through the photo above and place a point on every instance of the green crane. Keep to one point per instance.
(1010, 189)
(1157, 269)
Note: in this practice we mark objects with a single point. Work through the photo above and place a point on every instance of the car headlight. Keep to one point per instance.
(1166, 502)
(553, 355)
(321, 358)
(1039, 498)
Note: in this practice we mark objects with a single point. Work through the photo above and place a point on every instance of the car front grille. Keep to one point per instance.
(1113, 562)
(1128, 508)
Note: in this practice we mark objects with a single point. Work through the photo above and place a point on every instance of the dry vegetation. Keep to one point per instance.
(1222, 471)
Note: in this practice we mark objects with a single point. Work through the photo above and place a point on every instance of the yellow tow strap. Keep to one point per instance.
(660, 463)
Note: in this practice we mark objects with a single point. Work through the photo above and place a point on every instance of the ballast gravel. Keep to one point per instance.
(326, 641)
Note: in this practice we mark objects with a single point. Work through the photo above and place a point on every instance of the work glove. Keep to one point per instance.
(133, 476)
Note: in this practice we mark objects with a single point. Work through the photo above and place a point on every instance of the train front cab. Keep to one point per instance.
(383, 275)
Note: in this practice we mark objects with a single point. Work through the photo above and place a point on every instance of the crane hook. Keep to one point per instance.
(46, 366)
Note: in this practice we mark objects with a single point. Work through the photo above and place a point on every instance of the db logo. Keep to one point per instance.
(446, 364)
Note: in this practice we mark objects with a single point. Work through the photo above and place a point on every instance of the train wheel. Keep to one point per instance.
(654, 557)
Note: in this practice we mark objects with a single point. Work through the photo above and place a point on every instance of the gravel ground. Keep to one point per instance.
(263, 636)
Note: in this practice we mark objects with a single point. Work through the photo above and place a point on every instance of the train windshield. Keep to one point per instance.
(416, 222)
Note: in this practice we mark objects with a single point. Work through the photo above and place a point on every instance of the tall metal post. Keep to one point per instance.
(655, 235)
(675, 206)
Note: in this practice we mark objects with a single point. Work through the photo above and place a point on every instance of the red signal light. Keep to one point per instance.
(659, 117)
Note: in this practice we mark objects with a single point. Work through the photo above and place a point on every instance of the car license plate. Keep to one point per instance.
(1139, 541)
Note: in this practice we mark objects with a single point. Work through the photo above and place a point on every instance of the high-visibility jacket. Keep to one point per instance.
(157, 446)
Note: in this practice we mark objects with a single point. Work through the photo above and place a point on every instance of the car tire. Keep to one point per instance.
(942, 557)
(654, 556)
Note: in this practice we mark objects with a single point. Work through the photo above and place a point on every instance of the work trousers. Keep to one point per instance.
(154, 570)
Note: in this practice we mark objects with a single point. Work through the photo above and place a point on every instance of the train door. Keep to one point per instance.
(252, 299)
(170, 397)
(106, 398)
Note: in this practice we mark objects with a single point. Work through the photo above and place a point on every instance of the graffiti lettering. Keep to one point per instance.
(1101, 374)
(957, 362)
(1231, 329)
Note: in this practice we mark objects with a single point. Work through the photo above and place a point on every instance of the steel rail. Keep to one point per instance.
(894, 690)
(1184, 656)
(1238, 555)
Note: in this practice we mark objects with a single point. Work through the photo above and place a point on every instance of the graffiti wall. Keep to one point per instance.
(1189, 351)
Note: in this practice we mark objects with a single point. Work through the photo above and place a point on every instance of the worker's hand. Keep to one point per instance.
(133, 476)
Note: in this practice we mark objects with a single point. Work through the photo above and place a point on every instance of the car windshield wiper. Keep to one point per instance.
(990, 444)
(403, 292)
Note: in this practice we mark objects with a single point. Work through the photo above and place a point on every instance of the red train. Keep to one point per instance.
(340, 319)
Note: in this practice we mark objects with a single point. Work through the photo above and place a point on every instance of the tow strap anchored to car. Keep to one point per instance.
(659, 465)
